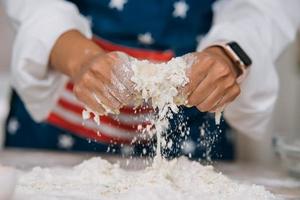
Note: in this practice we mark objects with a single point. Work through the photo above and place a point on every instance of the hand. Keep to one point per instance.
(101, 80)
(103, 84)
(212, 80)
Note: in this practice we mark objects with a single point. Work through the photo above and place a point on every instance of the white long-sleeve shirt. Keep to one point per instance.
(39, 24)
(262, 27)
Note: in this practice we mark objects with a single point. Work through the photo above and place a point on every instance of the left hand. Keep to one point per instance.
(212, 78)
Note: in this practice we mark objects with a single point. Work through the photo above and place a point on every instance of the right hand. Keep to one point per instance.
(103, 83)
(213, 80)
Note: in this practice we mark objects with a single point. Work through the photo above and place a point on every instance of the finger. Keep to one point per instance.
(198, 72)
(106, 99)
(124, 73)
(88, 100)
(96, 85)
(100, 93)
(223, 86)
(101, 68)
(120, 92)
(230, 96)
(211, 101)
(121, 73)
(221, 71)
(218, 108)
(114, 86)
(104, 70)
(218, 76)
(203, 90)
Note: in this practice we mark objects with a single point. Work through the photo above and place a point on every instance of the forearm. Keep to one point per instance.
(71, 50)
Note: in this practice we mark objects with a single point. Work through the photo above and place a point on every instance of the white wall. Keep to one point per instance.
(287, 114)
(286, 118)
(6, 38)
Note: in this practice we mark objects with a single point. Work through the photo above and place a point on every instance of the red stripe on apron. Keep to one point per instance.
(104, 119)
(84, 132)
(157, 56)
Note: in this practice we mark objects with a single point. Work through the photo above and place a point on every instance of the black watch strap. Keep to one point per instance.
(240, 53)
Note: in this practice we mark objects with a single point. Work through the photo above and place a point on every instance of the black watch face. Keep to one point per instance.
(240, 53)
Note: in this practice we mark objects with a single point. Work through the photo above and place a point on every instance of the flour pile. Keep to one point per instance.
(96, 178)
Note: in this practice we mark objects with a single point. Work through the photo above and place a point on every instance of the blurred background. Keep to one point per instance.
(6, 40)
(285, 122)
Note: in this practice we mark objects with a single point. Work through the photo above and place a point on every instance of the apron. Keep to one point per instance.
(149, 29)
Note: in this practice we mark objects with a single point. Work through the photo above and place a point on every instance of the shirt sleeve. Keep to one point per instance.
(38, 25)
(263, 28)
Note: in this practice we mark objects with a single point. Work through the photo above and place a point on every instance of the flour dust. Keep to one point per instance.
(180, 179)
(158, 85)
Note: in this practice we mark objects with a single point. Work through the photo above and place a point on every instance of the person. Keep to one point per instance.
(61, 52)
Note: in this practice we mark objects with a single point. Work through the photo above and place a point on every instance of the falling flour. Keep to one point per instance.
(159, 85)
(179, 179)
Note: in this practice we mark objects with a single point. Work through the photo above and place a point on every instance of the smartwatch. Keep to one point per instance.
(238, 56)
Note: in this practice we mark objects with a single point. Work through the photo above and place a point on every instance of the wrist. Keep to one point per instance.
(71, 51)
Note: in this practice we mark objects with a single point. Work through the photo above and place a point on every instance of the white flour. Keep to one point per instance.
(96, 178)
(158, 84)
(179, 179)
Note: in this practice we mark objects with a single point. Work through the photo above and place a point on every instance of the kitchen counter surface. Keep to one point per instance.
(274, 178)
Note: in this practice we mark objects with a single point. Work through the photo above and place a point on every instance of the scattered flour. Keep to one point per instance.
(86, 114)
(159, 85)
(218, 116)
(179, 179)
